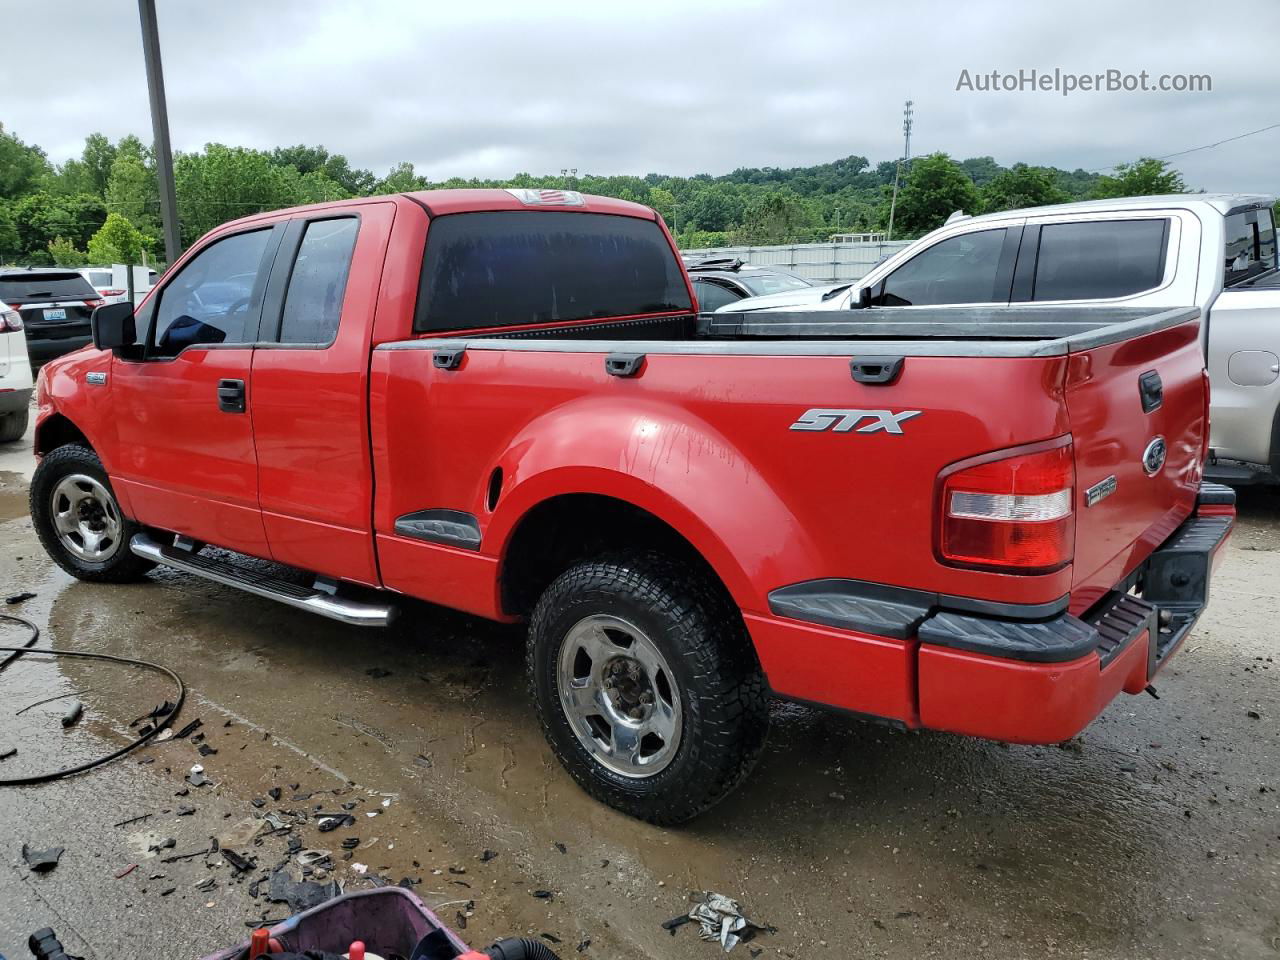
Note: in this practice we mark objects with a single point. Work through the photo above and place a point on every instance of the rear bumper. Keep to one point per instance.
(13, 400)
(1022, 679)
(43, 349)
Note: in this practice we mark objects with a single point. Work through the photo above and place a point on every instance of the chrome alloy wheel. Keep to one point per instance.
(619, 696)
(86, 518)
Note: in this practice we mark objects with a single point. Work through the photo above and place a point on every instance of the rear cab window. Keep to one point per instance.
(506, 268)
(1250, 247)
(968, 268)
(313, 301)
(1099, 259)
(44, 288)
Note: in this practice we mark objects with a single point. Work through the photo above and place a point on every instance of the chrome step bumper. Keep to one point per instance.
(230, 575)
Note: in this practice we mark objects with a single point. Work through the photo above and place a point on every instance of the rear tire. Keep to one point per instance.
(638, 663)
(13, 426)
(79, 520)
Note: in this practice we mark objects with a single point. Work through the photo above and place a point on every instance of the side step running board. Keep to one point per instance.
(273, 588)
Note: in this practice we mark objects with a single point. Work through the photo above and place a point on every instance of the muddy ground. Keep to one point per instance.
(1154, 834)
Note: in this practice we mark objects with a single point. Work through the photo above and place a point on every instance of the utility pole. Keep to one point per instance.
(160, 130)
(906, 157)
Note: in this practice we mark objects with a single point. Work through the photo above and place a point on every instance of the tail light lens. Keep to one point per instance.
(1011, 511)
(113, 293)
(94, 303)
(10, 320)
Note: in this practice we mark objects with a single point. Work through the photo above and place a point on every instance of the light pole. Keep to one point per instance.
(160, 130)
(906, 152)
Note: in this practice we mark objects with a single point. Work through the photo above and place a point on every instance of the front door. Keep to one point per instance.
(184, 435)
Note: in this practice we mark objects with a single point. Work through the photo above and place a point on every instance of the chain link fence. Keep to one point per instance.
(836, 261)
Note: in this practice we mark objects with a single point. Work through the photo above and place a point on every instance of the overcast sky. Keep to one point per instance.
(486, 88)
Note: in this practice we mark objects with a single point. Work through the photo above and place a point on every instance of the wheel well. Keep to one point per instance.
(58, 431)
(563, 530)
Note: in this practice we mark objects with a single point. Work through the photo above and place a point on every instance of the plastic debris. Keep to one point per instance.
(73, 714)
(237, 863)
(196, 777)
(378, 673)
(309, 858)
(188, 729)
(720, 921)
(299, 895)
(19, 597)
(7, 750)
(41, 861)
(274, 793)
(125, 871)
(359, 868)
(332, 821)
(184, 810)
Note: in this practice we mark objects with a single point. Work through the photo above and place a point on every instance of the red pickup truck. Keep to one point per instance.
(982, 521)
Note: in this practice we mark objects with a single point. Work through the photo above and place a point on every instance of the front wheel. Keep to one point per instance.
(646, 685)
(79, 521)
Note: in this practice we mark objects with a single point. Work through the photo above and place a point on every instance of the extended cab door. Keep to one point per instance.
(310, 388)
(185, 449)
(971, 266)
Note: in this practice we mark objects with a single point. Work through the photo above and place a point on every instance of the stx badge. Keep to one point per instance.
(842, 421)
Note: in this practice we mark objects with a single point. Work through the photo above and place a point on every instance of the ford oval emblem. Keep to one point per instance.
(1154, 456)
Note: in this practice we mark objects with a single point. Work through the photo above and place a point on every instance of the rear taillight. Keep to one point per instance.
(1013, 511)
(93, 304)
(10, 321)
(113, 293)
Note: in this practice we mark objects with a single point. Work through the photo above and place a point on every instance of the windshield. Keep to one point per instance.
(99, 278)
(36, 287)
(766, 283)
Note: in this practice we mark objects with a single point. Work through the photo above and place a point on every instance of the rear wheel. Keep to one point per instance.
(13, 426)
(79, 520)
(646, 685)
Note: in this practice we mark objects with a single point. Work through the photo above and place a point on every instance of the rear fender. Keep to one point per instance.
(661, 459)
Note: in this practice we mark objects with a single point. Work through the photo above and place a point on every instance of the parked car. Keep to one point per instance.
(112, 286)
(503, 402)
(15, 377)
(102, 279)
(55, 306)
(720, 281)
(1216, 251)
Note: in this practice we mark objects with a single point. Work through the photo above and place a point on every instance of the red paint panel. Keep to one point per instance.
(461, 579)
(840, 668)
(1020, 702)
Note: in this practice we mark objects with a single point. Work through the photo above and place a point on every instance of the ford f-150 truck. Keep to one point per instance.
(505, 402)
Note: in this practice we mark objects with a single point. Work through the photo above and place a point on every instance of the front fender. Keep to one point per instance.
(663, 459)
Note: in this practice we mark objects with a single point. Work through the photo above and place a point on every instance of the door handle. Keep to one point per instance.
(231, 396)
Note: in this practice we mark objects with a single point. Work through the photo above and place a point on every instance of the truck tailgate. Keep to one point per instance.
(1138, 424)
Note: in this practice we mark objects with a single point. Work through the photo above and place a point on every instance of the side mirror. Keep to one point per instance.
(113, 327)
(859, 301)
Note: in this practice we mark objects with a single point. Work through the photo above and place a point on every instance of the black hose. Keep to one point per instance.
(161, 722)
(521, 948)
(16, 652)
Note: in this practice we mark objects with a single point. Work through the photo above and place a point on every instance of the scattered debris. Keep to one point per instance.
(1254, 715)
(378, 673)
(561, 847)
(274, 793)
(550, 937)
(487, 856)
(196, 777)
(124, 872)
(165, 893)
(350, 843)
(299, 895)
(41, 861)
(309, 858)
(205, 884)
(184, 810)
(7, 751)
(188, 729)
(19, 597)
(168, 843)
(163, 735)
(61, 696)
(543, 894)
(359, 868)
(258, 802)
(73, 714)
(205, 750)
(237, 863)
(332, 821)
(721, 921)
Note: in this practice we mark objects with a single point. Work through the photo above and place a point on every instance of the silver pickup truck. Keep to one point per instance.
(1214, 251)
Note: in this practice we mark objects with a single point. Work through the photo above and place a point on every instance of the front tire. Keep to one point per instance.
(79, 520)
(646, 685)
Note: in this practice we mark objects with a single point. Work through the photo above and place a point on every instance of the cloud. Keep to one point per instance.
(492, 89)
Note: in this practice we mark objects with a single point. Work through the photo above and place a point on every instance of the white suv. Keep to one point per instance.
(15, 377)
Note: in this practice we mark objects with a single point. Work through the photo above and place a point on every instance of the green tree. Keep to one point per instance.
(131, 189)
(22, 167)
(664, 202)
(42, 217)
(935, 188)
(982, 170)
(333, 166)
(776, 217)
(225, 183)
(10, 246)
(119, 241)
(1144, 177)
(65, 254)
(1021, 186)
(401, 179)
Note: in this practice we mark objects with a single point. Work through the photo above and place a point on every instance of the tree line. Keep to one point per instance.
(103, 206)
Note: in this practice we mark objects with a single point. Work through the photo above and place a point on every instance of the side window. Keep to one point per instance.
(1099, 259)
(212, 299)
(713, 296)
(313, 301)
(963, 269)
(1250, 245)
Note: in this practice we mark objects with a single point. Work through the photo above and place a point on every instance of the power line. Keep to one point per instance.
(1207, 146)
